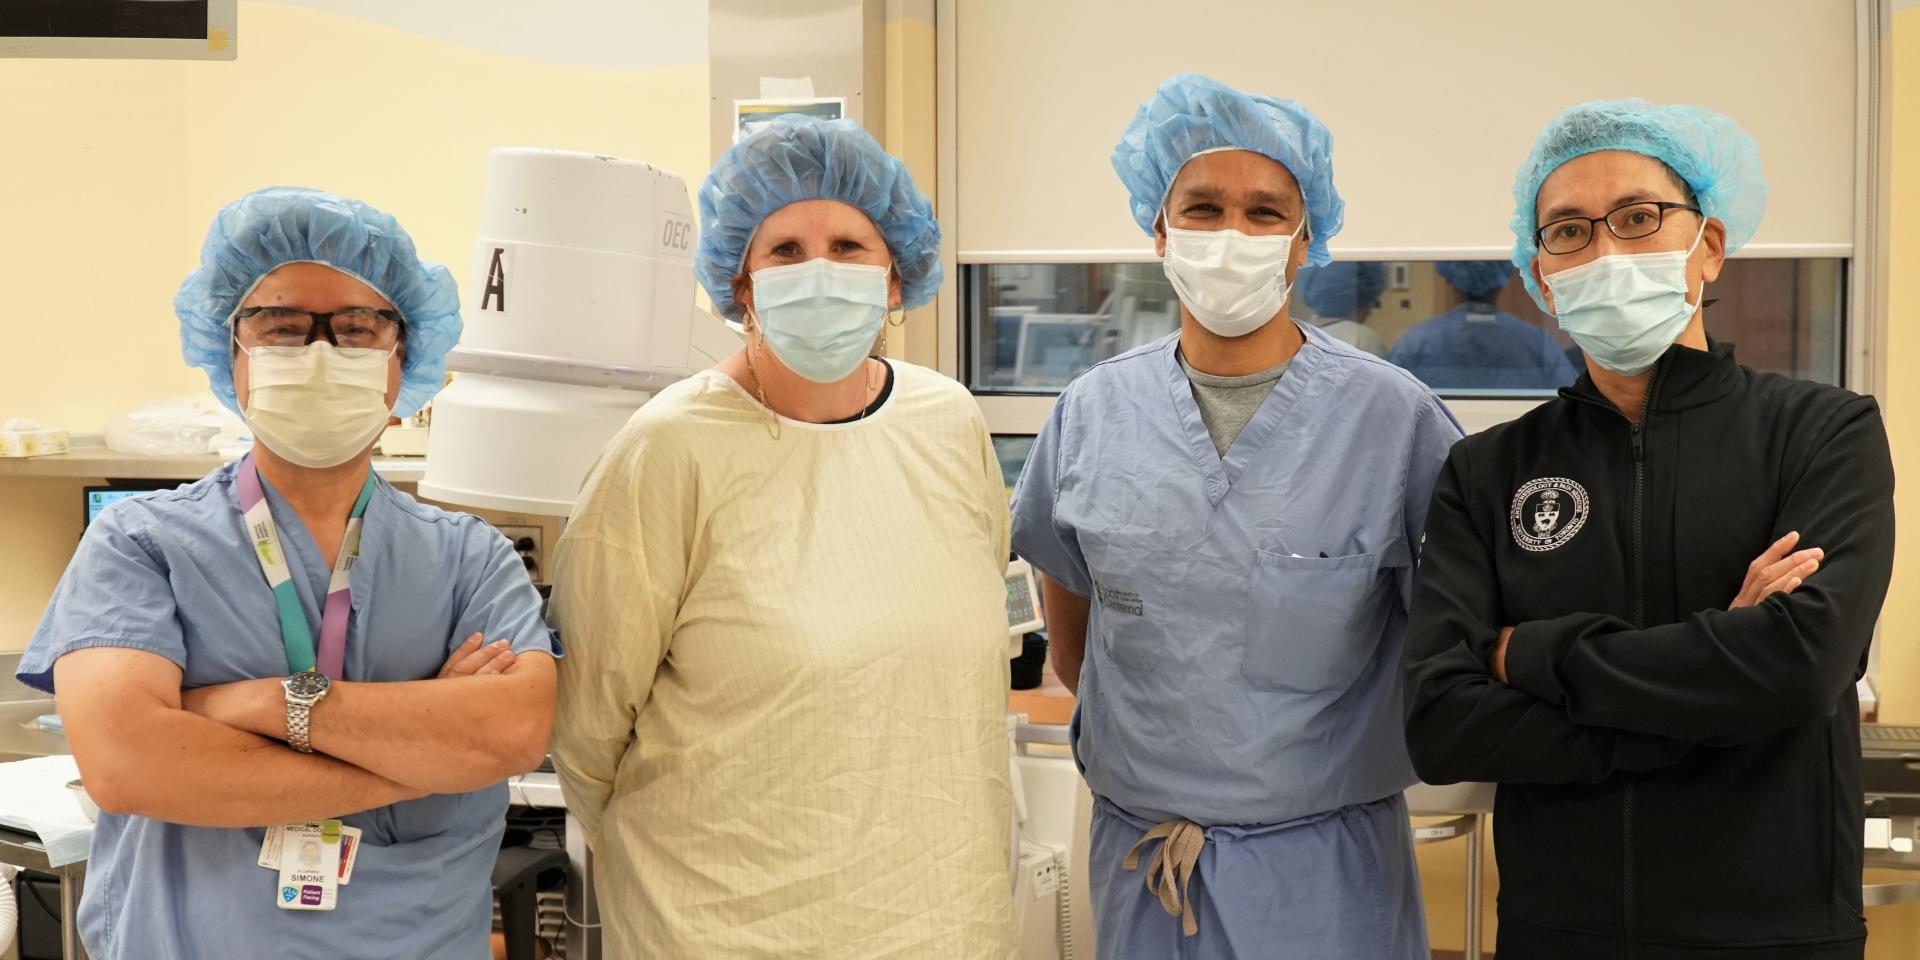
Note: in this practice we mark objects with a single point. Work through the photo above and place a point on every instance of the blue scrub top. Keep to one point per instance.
(1482, 349)
(1248, 615)
(174, 574)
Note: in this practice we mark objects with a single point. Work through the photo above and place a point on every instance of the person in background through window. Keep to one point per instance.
(1340, 295)
(1475, 346)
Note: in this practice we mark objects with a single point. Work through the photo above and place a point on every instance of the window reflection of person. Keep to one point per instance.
(1341, 295)
(1477, 346)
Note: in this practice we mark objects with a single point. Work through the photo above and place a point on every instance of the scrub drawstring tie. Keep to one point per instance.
(1171, 870)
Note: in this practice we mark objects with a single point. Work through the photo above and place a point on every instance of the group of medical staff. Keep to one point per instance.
(1278, 579)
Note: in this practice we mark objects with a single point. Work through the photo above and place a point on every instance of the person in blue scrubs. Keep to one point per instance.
(1340, 295)
(1227, 521)
(1476, 346)
(171, 655)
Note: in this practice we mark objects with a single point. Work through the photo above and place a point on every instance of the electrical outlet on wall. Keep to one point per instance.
(1046, 879)
(528, 541)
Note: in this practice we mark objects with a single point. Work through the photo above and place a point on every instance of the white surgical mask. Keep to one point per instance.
(317, 405)
(1625, 310)
(821, 318)
(1231, 282)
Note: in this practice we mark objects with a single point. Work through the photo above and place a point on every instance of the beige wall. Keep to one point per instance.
(909, 135)
(113, 170)
(1900, 623)
(1896, 930)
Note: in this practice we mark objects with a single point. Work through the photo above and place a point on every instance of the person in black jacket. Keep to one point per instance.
(1642, 607)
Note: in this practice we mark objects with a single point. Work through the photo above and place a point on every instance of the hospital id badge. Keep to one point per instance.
(309, 866)
(349, 848)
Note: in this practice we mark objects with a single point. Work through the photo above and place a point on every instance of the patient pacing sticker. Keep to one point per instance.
(1547, 513)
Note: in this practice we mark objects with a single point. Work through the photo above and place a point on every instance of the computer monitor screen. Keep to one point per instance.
(140, 29)
(1012, 451)
(1023, 600)
(97, 499)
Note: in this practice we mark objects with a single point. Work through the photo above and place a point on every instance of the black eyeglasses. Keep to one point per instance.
(1634, 221)
(354, 327)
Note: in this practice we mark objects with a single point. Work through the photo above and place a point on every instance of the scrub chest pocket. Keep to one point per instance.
(1315, 621)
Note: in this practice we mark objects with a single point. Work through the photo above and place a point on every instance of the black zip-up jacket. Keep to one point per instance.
(1677, 780)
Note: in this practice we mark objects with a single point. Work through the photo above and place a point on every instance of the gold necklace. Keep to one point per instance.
(760, 390)
(866, 397)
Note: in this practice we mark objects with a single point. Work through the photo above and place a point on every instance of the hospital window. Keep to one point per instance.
(1033, 327)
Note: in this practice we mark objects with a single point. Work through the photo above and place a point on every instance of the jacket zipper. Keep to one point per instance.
(1638, 436)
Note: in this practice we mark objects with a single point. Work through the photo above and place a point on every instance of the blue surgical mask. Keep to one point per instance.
(1625, 310)
(821, 318)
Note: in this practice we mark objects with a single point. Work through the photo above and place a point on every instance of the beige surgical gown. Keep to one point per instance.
(781, 713)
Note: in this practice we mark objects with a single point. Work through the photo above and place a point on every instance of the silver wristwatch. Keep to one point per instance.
(303, 691)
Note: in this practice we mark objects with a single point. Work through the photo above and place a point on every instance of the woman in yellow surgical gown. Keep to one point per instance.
(781, 718)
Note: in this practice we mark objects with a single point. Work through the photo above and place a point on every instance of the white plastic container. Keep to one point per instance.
(578, 257)
(578, 308)
(24, 438)
(517, 445)
(87, 806)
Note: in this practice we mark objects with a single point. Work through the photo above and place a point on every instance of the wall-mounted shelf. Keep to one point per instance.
(89, 457)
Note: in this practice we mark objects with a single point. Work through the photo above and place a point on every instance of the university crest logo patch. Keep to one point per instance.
(1547, 513)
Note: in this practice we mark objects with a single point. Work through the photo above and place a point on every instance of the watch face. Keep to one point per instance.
(307, 684)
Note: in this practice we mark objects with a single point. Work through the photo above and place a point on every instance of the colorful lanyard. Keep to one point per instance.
(294, 632)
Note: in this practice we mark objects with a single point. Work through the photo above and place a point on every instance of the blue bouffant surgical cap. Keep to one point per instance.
(1718, 161)
(1190, 114)
(1338, 290)
(263, 230)
(1475, 278)
(796, 158)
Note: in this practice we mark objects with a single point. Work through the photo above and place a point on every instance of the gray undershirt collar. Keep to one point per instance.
(1227, 404)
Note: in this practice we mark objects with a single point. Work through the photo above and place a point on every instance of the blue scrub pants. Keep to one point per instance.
(1332, 886)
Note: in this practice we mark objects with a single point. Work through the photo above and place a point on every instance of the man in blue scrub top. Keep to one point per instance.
(170, 652)
(1227, 520)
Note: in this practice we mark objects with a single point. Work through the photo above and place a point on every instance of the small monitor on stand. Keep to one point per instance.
(1023, 605)
(95, 500)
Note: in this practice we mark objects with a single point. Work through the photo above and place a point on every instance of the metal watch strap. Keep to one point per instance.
(299, 718)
